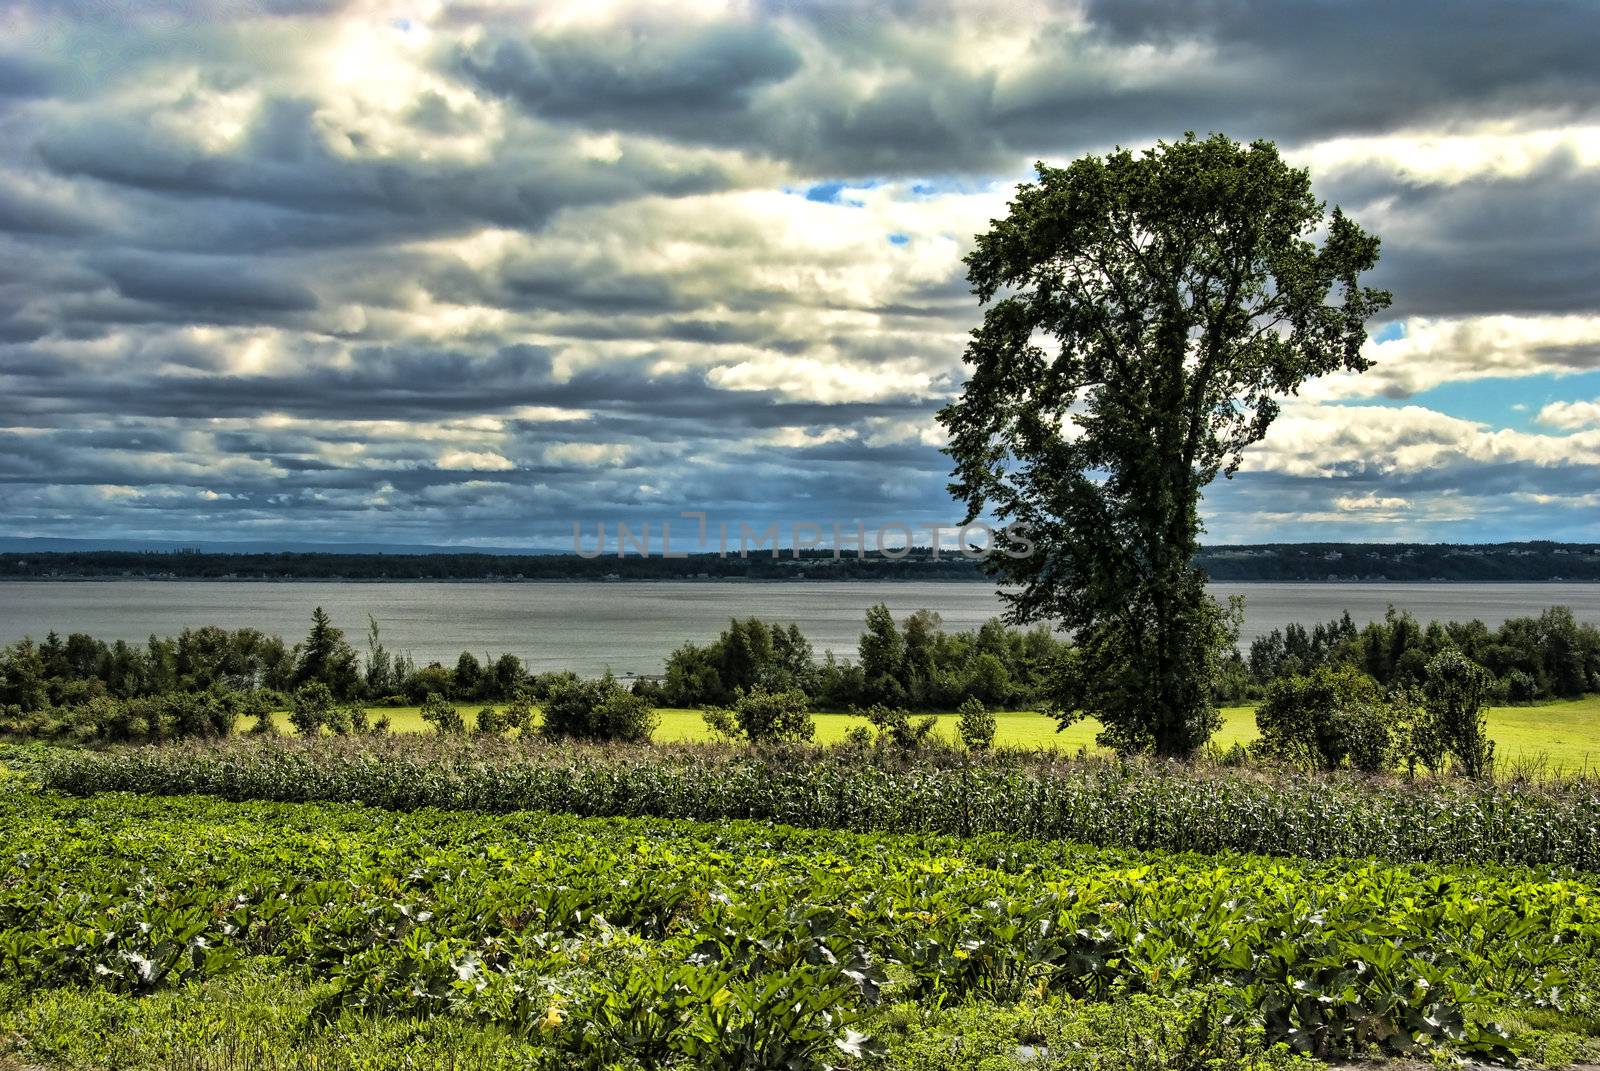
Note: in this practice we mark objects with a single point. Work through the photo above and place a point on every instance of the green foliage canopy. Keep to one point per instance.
(1181, 292)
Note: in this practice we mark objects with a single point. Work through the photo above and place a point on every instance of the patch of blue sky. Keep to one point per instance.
(836, 191)
(944, 186)
(1500, 401)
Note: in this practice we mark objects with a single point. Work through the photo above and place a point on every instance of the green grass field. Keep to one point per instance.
(1563, 736)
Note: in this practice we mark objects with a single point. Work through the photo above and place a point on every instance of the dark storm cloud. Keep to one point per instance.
(205, 282)
(21, 76)
(633, 78)
(285, 162)
(24, 210)
(1372, 66)
(1523, 244)
(1298, 72)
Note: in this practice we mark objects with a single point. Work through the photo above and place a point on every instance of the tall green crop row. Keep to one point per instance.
(1152, 806)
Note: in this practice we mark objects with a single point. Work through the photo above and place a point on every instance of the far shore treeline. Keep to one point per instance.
(1282, 562)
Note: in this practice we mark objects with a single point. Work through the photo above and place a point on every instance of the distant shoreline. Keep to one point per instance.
(739, 580)
(1307, 563)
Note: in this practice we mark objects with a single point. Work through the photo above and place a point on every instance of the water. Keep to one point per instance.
(632, 627)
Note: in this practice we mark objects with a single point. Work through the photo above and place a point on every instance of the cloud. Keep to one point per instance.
(475, 461)
(322, 269)
(1431, 352)
(1571, 416)
(635, 75)
(1371, 501)
(205, 284)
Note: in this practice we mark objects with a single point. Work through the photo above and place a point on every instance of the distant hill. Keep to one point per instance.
(1536, 561)
(1328, 562)
(43, 544)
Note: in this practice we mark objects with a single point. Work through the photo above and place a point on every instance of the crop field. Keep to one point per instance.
(1088, 799)
(142, 932)
(1561, 736)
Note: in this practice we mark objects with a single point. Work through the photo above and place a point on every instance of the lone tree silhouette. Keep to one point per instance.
(1144, 311)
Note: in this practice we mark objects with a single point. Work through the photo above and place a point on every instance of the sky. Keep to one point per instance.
(469, 273)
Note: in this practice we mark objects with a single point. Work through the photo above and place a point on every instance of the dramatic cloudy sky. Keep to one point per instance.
(424, 272)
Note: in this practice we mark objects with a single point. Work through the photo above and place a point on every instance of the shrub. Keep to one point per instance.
(976, 724)
(764, 717)
(519, 713)
(429, 680)
(101, 719)
(340, 721)
(1520, 687)
(651, 690)
(491, 722)
(895, 725)
(310, 708)
(1454, 699)
(353, 718)
(858, 737)
(596, 710)
(1326, 718)
(442, 714)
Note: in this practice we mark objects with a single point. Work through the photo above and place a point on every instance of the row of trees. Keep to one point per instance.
(73, 671)
(1337, 715)
(1551, 656)
(912, 663)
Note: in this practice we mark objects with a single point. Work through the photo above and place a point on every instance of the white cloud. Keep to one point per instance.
(817, 380)
(1371, 501)
(797, 437)
(1335, 440)
(1433, 156)
(1434, 351)
(586, 454)
(1571, 416)
(475, 461)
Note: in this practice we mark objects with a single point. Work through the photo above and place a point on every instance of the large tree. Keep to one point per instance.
(1144, 311)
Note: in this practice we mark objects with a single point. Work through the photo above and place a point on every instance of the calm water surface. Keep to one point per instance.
(631, 627)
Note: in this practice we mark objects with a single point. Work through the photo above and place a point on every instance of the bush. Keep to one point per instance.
(101, 719)
(976, 724)
(1520, 687)
(764, 717)
(519, 713)
(310, 708)
(491, 722)
(894, 724)
(442, 714)
(1326, 718)
(432, 679)
(1454, 698)
(354, 716)
(598, 710)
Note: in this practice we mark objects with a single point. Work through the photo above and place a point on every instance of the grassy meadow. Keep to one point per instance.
(1563, 735)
